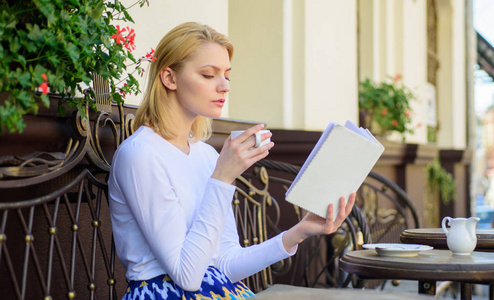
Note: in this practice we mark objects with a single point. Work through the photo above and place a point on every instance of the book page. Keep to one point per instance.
(321, 140)
(336, 167)
(362, 131)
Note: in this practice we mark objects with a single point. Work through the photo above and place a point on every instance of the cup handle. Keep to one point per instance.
(443, 225)
(258, 139)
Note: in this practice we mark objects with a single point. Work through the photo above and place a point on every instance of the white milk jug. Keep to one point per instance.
(461, 236)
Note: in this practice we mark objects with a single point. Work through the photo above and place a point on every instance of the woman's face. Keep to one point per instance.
(203, 82)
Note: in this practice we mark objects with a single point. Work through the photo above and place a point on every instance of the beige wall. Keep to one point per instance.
(414, 45)
(256, 31)
(305, 86)
(331, 80)
(458, 126)
(451, 75)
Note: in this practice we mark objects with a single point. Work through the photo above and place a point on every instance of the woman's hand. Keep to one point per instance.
(239, 154)
(313, 224)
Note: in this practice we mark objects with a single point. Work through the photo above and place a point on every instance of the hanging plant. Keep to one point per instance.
(386, 105)
(441, 180)
(57, 46)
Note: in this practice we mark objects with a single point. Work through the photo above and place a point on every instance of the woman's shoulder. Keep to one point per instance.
(144, 139)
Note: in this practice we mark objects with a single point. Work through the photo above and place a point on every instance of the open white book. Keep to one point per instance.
(337, 166)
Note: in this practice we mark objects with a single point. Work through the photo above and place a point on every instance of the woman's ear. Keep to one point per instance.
(167, 76)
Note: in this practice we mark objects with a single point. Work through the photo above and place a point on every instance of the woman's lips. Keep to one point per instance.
(219, 102)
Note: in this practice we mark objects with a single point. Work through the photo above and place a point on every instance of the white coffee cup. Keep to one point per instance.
(259, 142)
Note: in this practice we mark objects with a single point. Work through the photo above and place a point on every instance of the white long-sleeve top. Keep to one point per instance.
(170, 217)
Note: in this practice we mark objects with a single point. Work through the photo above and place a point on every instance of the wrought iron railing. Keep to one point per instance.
(55, 231)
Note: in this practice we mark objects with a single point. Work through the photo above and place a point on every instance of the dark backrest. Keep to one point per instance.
(55, 230)
(59, 245)
(250, 203)
(387, 209)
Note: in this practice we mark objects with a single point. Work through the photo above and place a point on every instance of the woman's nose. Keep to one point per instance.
(224, 86)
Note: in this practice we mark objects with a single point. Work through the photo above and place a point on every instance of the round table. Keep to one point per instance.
(436, 238)
(428, 267)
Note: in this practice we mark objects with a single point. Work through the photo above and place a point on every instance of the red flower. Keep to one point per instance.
(150, 55)
(131, 36)
(44, 88)
(130, 46)
(397, 78)
(129, 40)
(408, 113)
(384, 112)
(44, 85)
(394, 123)
(118, 36)
(419, 125)
(122, 90)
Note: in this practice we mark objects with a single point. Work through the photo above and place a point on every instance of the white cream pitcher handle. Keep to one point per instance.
(443, 225)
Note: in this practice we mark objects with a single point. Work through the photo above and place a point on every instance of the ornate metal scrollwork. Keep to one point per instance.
(39, 166)
(387, 209)
(249, 207)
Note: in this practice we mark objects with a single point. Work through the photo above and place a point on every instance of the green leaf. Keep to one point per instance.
(29, 45)
(45, 100)
(97, 11)
(8, 20)
(54, 59)
(117, 97)
(73, 52)
(86, 78)
(127, 16)
(47, 8)
(57, 84)
(15, 45)
(35, 33)
(20, 124)
(38, 71)
(22, 60)
(26, 99)
(50, 40)
(76, 3)
(24, 79)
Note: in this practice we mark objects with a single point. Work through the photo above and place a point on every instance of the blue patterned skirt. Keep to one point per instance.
(215, 285)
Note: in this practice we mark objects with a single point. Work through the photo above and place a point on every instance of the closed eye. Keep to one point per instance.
(208, 76)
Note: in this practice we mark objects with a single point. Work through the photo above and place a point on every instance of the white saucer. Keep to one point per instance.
(397, 249)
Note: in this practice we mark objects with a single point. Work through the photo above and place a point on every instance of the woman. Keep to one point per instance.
(171, 193)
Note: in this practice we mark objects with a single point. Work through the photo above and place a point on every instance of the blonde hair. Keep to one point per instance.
(172, 51)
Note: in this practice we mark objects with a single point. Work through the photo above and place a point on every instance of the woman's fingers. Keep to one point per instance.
(343, 210)
(350, 203)
(247, 140)
(239, 154)
(247, 134)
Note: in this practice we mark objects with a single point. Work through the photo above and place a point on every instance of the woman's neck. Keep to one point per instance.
(182, 143)
(183, 123)
(181, 139)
